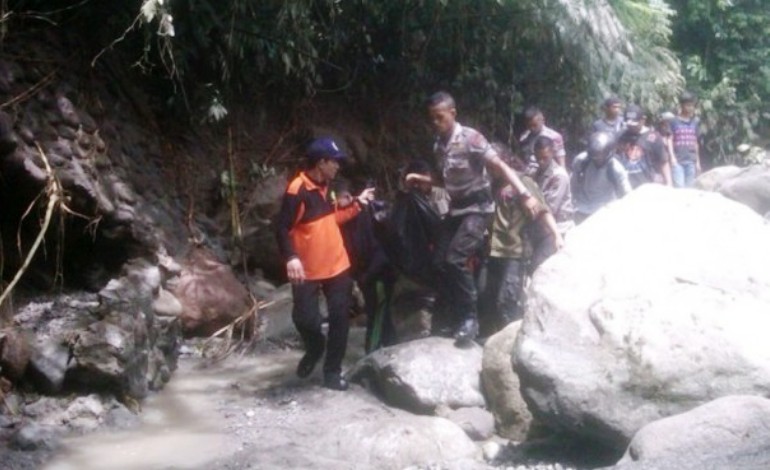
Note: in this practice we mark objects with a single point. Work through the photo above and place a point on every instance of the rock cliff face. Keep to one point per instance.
(117, 220)
(106, 166)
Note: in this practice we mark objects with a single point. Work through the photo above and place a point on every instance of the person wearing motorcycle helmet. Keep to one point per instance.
(598, 178)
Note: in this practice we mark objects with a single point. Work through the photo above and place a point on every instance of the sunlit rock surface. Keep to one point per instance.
(750, 186)
(423, 374)
(501, 385)
(737, 426)
(659, 303)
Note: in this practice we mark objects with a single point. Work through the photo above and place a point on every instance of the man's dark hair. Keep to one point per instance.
(543, 142)
(687, 97)
(611, 101)
(440, 98)
(419, 166)
(531, 112)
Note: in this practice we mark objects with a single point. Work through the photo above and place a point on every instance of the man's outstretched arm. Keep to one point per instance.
(498, 167)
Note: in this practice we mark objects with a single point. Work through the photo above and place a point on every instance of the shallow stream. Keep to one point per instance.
(210, 417)
(182, 427)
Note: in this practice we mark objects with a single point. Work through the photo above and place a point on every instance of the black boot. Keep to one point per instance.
(467, 332)
(334, 381)
(315, 344)
(307, 363)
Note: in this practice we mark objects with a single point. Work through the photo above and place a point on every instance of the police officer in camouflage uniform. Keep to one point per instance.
(464, 155)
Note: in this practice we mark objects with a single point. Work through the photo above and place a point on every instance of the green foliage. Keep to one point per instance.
(725, 47)
(653, 77)
(496, 56)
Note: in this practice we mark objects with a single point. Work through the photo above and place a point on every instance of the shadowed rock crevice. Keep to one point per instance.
(90, 237)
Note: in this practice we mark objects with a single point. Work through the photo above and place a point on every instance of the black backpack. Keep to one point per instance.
(410, 232)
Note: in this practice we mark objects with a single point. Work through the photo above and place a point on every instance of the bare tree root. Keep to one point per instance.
(28, 93)
(56, 198)
(23, 217)
(120, 38)
(239, 336)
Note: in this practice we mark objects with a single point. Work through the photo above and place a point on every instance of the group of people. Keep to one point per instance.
(480, 227)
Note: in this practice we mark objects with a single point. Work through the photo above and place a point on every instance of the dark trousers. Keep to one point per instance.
(380, 330)
(458, 252)
(542, 250)
(501, 294)
(306, 315)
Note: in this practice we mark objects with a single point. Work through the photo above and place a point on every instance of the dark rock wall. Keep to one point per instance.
(121, 200)
(120, 214)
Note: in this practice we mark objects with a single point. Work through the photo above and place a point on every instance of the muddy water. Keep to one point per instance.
(207, 415)
(181, 427)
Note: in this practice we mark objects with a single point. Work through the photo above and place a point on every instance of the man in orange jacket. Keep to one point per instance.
(310, 241)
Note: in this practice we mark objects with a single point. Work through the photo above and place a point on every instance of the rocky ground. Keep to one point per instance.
(251, 411)
(247, 412)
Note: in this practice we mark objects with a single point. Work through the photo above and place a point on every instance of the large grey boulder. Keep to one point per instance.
(35, 437)
(48, 365)
(658, 303)
(759, 460)
(259, 246)
(129, 350)
(728, 426)
(323, 429)
(275, 316)
(395, 442)
(111, 343)
(750, 186)
(710, 180)
(722, 462)
(211, 296)
(423, 374)
(478, 423)
(501, 385)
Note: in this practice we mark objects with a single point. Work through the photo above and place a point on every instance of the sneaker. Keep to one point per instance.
(307, 364)
(335, 382)
(467, 332)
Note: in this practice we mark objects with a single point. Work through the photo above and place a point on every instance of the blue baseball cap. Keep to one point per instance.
(324, 147)
(633, 115)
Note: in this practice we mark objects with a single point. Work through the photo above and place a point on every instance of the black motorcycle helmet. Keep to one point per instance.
(600, 147)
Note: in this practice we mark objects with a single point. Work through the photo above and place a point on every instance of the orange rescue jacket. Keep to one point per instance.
(307, 227)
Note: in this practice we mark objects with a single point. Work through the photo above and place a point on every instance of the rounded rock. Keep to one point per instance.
(34, 437)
